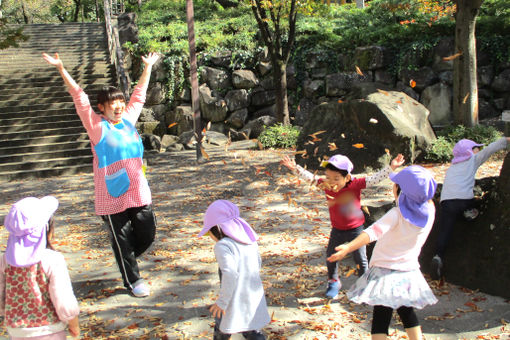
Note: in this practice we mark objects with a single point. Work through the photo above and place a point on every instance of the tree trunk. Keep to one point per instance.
(465, 89)
(77, 4)
(280, 85)
(98, 18)
(25, 15)
(360, 3)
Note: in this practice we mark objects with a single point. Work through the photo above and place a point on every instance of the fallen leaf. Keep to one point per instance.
(383, 92)
(358, 71)
(358, 146)
(412, 83)
(465, 98)
(332, 146)
(454, 56)
(204, 154)
(173, 124)
(340, 101)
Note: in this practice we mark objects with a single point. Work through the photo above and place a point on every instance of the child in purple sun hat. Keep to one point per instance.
(457, 198)
(36, 295)
(394, 280)
(241, 305)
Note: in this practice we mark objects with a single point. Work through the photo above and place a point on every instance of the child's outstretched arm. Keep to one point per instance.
(298, 170)
(148, 60)
(74, 327)
(344, 249)
(484, 154)
(57, 62)
(382, 174)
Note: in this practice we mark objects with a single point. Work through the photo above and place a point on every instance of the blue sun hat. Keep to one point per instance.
(340, 162)
(417, 187)
(463, 150)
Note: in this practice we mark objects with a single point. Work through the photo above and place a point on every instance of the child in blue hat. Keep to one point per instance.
(394, 280)
(343, 194)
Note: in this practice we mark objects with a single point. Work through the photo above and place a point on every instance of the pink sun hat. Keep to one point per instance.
(463, 150)
(26, 223)
(340, 162)
(225, 215)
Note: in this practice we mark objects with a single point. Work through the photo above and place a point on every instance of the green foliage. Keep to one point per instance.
(10, 36)
(279, 136)
(441, 148)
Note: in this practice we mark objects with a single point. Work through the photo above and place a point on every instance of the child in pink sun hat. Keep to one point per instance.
(36, 296)
(394, 279)
(241, 304)
(457, 198)
(343, 195)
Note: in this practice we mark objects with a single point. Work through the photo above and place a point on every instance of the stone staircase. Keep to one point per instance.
(40, 132)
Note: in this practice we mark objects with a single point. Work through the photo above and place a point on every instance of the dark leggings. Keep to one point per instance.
(382, 318)
(451, 211)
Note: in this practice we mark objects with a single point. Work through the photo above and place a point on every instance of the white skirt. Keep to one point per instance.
(392, 288)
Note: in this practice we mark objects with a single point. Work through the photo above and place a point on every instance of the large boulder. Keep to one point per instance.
(244, 79)
(422, 77)
(263, 98)
(238, 118)
(212, 108)
(222, 58)
(501, 82)
(254, 128)
(438, 99)
(313, 88)
(151, 142)
(180, 120)
(128, 31)
(216, 78)
(303, 110)
(155, 94)
(338, 84)
(364, 129)
(237, 99)
(370, 57)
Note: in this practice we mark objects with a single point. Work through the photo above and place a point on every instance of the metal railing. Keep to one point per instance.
(114, 47)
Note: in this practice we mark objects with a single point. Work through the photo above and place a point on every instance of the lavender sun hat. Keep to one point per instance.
(225, 215)
(26, 223)
(340, 162)
(417, 186)
(463, 150)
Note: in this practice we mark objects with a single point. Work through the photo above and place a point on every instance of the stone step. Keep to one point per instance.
(47, 132)
(40, 107)
(37, 60)
(45, 147)
(48, 70)
(38, 155)
(46, 168)
(46, 172)
(31, 126)
(37, 113)
(52, 139)
(53, 78)
(99, 50)
(34, 87)
(41, 96)
(47, 91)
(40, 119)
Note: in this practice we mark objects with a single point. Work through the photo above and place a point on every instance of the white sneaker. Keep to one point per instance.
(471, 214)
(141, 290)
(436, 267)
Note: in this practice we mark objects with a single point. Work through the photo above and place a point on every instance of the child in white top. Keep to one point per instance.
(36, 296)
(394, 279)
(457, 199)
(241, 304)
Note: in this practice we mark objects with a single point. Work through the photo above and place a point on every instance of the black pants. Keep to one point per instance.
(250, 335)
(451, 211)
(131, 233)
(382, 318)
(338, 237)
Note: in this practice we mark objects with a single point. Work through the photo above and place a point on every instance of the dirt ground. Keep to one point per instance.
(292, 220)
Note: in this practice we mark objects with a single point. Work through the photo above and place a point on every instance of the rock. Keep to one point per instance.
(423, 77)
(183, 116)
(155, 94)
(222, 58)
(385, 77)
(318, 73)
(239, 135)
(438, 100)
(390, 120)
(266, 111)
(238, 118)
(151, 142)
(212, 108)
(147, 115)
(267, 83)
(263, 98)
(237, 99)
(313, 88)
(485, 75)
(215, 78)
(337, 84)
(446, 77)
(218, 127)
(370, 57)
(264, 68)
(188, 140)
(444, 48)
(486, 110)
(254, 128)
(215, 138)
(501, 82)
(244, 79)
(184, 94)
(304, 108)
(168, 140)
(499, 103)
(128, 31)
(291, 77)
(149, 127)
(175, 147)
(160, 111)
(362, 89)
(315, 60)
(159, 71)
(401, 87)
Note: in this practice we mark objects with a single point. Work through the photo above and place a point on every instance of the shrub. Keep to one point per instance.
(442, 148)
(279, 136)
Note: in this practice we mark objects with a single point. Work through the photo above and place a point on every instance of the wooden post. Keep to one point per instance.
(505, 116)
(195, 105)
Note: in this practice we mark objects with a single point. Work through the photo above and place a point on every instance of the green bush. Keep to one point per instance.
(441, 149)
(279, 136)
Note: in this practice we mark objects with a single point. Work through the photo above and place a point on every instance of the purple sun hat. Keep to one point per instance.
(463, 150)
(340, 162)
(417, 186)
(225, 215)
(26, 223)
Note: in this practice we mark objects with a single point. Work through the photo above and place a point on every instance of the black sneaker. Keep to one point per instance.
(436, 265)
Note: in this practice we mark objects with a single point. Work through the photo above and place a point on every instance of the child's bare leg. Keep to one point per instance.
(379, 337)
(414, 333)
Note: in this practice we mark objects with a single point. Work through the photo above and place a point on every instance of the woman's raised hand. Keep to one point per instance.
(55, 61)
(150, 59)
(289, 163)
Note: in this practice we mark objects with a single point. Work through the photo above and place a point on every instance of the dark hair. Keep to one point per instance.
(108, 94)
(50, 227)
(216, 232)
(333, 168)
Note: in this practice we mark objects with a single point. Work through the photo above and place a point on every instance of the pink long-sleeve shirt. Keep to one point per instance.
(399, 242)
(58, 284)
(138, 193)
